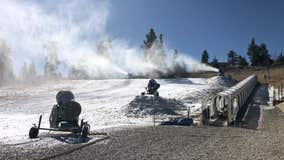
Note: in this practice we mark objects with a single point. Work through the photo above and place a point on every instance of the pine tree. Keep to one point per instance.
(232, 58)
(179, 67)
(259, 55)
(205, 57)
(161, 55)
(150, 39)
(154, 51)
(264, 56)
(175, 55)
(161, 42)
(253, 52)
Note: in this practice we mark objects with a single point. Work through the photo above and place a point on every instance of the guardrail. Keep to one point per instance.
(226, 104)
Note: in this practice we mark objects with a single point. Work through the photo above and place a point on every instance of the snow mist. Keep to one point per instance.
(68, 39)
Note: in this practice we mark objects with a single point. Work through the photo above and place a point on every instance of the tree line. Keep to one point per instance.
(258, 55)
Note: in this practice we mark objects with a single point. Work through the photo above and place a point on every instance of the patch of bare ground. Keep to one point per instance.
(274, 73)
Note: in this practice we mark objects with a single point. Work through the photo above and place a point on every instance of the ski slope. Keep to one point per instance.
(103, 101)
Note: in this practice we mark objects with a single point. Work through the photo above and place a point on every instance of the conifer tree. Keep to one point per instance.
(232, 58)
(205, 57)
(253, 52)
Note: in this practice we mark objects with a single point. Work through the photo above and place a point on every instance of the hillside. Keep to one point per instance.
(275, 72)
(104, 102)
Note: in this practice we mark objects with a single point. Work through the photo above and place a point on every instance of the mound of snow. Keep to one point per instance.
(222, 81)
(148, 105)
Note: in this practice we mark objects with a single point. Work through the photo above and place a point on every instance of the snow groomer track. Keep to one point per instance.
(226, 104)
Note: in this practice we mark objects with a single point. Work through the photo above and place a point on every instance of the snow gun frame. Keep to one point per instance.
(146, 92)
(83, 130)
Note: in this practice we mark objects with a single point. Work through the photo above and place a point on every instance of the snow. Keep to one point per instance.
(222, 81)
(150, 105)
(104, 102)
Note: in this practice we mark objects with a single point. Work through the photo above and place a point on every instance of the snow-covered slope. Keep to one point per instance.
(103, 102)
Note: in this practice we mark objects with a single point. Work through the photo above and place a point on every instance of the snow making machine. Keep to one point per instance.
(64, 117)
(152, 88)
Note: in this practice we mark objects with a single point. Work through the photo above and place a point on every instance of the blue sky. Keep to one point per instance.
(194, 25)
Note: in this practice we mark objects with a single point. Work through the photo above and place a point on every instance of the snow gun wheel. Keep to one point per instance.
(85, 131)
(33, 132)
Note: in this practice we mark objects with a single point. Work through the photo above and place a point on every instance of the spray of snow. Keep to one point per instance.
(74, 28)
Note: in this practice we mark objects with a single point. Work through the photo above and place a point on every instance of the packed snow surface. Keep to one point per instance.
(150, 105)
(104, 102)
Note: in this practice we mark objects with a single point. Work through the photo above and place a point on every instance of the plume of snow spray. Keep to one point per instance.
(75, 28)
